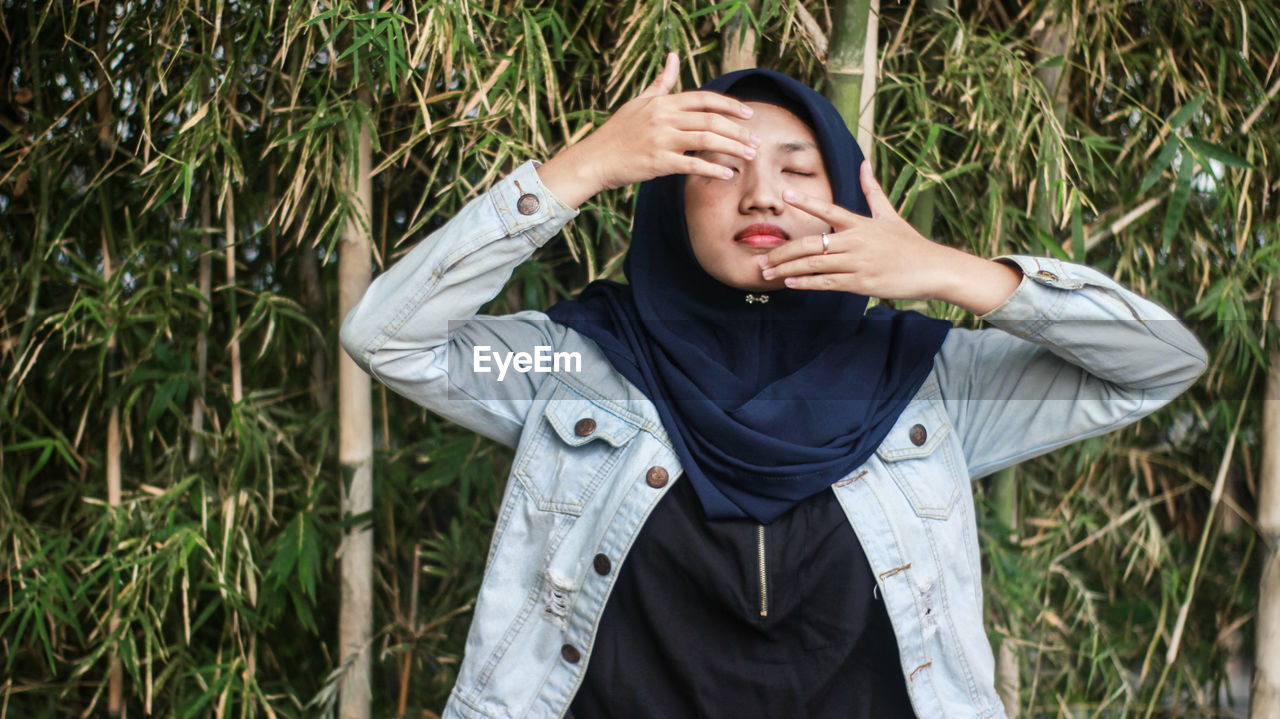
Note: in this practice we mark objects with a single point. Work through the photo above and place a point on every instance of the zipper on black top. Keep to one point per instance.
(764, 587)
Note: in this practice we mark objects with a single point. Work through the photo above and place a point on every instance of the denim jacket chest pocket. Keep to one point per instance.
(575, 445)
(921, 456)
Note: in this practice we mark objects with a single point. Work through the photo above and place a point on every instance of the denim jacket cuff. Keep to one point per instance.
(1038, 299)
(526, 207)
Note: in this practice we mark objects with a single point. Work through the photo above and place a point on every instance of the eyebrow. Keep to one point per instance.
(788, 146)
(796, 146)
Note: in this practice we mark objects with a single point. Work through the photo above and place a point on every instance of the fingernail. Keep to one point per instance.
(790, 195)
(768, 273)
(750, 153)
(755, 141)
(747, 111)
(763, 261)
(726, 173)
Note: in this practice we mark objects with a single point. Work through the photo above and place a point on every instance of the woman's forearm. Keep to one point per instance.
(570, 176)
(452, 272)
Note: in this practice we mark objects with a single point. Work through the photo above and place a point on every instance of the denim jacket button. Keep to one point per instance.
(918, 435)
(570, 653)
(656, 477)
(602, 564)
(584, 427)
(527, 204)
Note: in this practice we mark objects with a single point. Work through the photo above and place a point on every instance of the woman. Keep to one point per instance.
(749, 496)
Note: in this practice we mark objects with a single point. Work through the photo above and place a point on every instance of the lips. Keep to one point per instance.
(761, 234)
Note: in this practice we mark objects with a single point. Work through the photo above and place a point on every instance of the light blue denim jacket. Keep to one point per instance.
(1072, 355)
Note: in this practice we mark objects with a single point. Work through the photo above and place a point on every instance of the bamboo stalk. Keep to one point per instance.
(229, 229)
(115, 678)
(851, 66)
(115, 675)
(1008, 678)
(1257, 111)
(202, 336)
(1215, 498)
(1180, 623)
(870, 70)
(41, 240)
(313, 303)
(406, 661)
(1265, 688)
(355, 451)
(1052, 42)
(739, 41)
(810, 28)
(926, 199)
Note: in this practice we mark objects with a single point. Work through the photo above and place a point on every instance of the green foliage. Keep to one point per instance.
(136, 133)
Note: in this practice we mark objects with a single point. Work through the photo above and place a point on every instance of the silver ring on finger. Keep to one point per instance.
(826, 243)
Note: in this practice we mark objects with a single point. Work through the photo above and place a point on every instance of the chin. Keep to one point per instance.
(757, 285)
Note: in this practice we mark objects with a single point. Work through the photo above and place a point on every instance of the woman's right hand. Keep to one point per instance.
(648, 137)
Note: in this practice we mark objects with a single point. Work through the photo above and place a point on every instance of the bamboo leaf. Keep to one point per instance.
(1213, 151)
(1178, 200)
(195, 118)
(1078, 247)
(1161, 163)
(1188, 111)
(308, 555)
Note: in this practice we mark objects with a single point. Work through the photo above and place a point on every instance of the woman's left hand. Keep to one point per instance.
(883, 256)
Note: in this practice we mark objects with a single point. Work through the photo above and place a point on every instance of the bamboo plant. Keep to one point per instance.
(178, 181)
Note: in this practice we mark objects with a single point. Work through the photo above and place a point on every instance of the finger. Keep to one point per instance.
(818, 264)
(719, 124)
(666, 80)
(876, 199)
(707, 101)
(834, 215)
(803, 247)
(821, 282)
(707, 141)
(694, 165)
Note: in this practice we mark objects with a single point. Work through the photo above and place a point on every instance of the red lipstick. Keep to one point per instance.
(761, 234)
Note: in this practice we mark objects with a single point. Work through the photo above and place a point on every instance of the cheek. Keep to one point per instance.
(813, 226)
(819, 187)
(697, 218)
(702, 204)
(693, 202)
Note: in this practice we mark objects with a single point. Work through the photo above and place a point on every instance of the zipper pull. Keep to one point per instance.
(764, 579)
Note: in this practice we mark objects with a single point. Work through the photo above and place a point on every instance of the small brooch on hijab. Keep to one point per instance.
(753, 299)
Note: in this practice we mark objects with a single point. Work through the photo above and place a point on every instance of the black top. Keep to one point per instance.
(684, 635)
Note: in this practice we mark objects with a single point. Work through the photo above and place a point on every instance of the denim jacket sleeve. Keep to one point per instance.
(421, 309)
(1073, 355)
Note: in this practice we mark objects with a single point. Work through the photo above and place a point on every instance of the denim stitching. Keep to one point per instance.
(513, 630)
(514, 495)
(952, 631)
(645, 495)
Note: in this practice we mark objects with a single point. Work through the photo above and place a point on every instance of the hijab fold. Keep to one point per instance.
(766, 403)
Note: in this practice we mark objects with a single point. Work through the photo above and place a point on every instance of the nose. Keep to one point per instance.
(761, 192)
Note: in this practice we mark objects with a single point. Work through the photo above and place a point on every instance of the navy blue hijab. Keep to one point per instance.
(766, 403)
